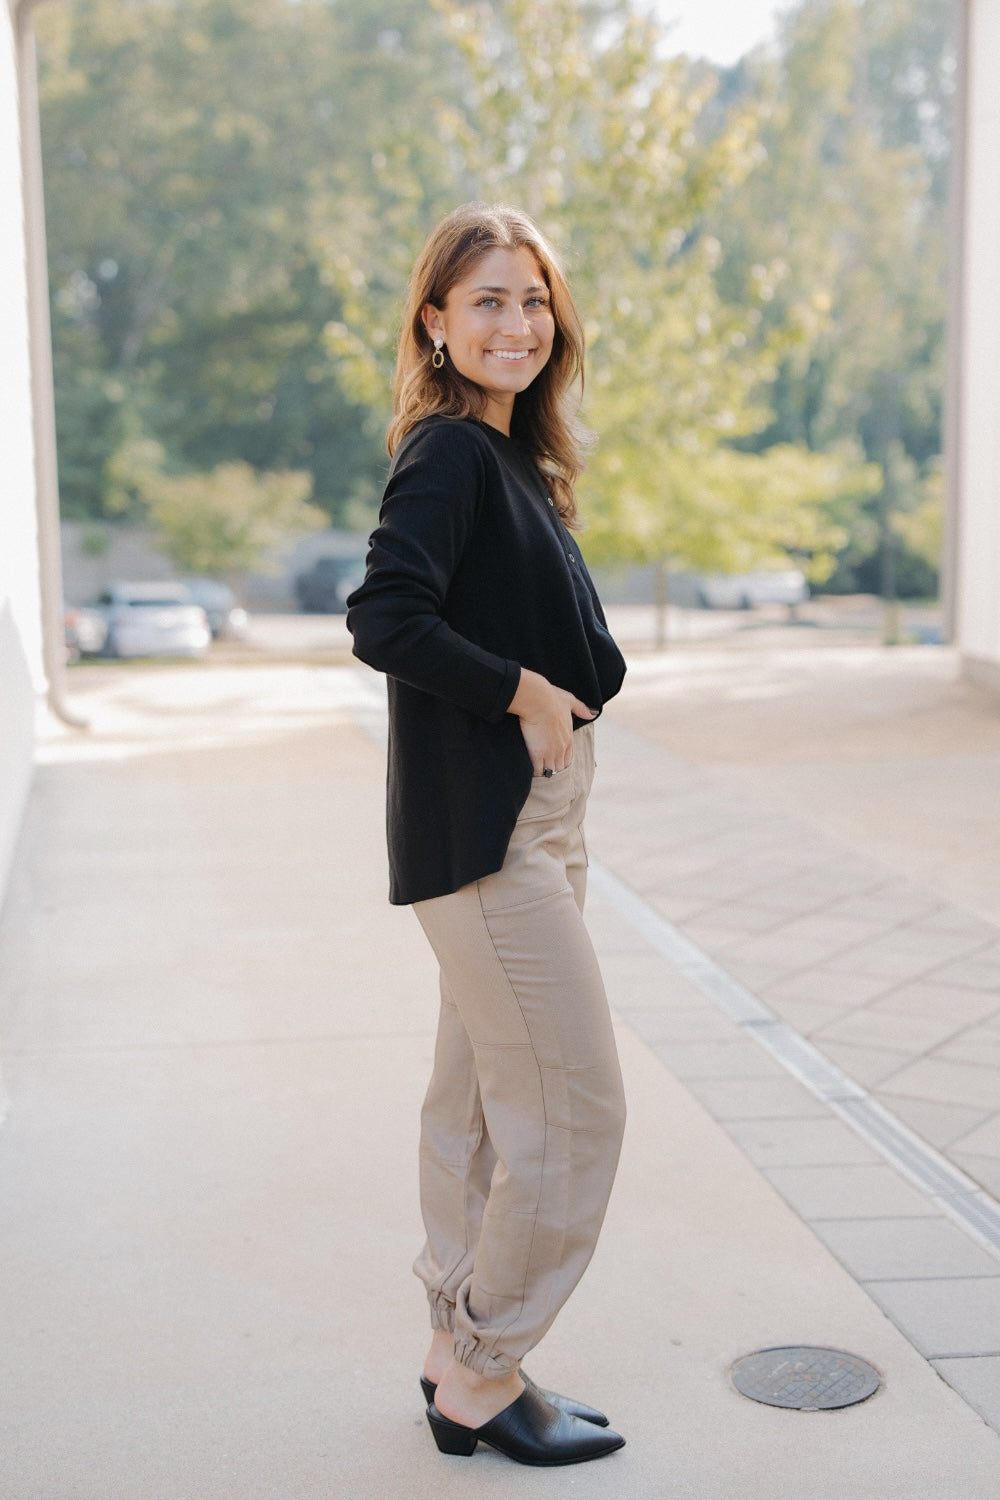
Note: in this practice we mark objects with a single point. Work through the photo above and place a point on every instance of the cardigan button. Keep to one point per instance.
(550, 500)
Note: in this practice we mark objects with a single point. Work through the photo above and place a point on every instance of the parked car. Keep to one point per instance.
(226, 616)
(744, 590)
(323, 588)
(153, 619)
(85, 631)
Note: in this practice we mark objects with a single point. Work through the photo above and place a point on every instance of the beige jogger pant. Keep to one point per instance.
(522, 1123)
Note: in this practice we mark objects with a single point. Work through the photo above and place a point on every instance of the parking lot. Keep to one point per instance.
(819, 622)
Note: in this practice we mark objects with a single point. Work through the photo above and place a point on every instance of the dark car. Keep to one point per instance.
(226, 616)
(323, 588)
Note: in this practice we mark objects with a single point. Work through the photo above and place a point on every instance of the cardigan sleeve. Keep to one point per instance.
(430, 506)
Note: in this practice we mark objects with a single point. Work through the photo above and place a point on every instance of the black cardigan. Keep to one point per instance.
(471, 575)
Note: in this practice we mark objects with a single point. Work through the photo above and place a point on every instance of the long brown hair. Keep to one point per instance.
(545, 414)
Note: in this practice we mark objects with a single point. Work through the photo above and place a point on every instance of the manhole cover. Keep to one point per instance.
(804, 1378)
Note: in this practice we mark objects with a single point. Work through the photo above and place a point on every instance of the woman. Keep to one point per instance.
(477, 604)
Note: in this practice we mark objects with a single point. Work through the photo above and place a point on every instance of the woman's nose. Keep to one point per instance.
(515, 321)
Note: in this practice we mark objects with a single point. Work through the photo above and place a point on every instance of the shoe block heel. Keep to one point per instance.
(451, 1438)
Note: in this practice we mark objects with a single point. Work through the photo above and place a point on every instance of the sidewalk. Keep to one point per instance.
(215, 1035)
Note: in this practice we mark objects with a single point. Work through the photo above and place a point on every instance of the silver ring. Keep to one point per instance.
(548, 771)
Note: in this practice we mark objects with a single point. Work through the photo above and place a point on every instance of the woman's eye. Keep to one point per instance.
(488, 302)
(538, 302)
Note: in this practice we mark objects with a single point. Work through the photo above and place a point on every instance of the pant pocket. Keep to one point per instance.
(548, 796)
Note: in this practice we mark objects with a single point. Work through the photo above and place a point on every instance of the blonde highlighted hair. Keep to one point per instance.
(544, 417)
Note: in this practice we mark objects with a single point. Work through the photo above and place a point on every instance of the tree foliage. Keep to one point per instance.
(237, 188)
(184, 141)
(856, 144)
(230, 520)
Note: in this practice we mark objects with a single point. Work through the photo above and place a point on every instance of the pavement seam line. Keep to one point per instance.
(957, 1195)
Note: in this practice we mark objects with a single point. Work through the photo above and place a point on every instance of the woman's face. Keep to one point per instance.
(498, 327)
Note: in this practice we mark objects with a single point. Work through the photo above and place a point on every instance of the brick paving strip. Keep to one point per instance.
(878, 1006)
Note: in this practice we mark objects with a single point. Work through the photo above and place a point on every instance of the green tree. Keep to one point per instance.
(184, 142)
(229, 521)
(237, 189)
(849, 204)
(629, 154)
(577, 113)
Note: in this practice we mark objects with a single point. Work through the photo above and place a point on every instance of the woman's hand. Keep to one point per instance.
(546, 715)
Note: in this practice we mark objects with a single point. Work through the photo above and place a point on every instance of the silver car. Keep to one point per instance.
(745, 590)
(153, 619)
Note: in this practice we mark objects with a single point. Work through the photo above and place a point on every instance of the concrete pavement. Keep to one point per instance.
(216, 1034)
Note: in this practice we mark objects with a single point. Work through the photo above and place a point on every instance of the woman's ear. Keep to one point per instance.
(431, 318)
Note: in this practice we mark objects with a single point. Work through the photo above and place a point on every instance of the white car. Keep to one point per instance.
(153, 619)
(744, 590)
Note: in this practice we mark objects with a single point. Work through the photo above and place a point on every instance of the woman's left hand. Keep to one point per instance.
(546, 714)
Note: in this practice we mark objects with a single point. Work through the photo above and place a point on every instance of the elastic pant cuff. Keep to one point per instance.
(481, 1362)
(442, 1314)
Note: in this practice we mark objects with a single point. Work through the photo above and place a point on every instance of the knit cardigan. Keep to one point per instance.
(471, 575)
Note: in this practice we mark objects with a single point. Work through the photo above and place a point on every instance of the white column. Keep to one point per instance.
(22, 676)
(976, 540)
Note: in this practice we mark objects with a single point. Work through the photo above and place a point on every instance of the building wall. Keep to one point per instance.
(21, 672)
(977, 583)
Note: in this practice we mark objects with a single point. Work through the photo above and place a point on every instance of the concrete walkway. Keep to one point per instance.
(216, 1034)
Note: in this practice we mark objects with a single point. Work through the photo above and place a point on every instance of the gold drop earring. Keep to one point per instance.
(437, 358)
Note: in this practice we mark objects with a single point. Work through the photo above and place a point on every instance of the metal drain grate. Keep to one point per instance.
(805, 1378)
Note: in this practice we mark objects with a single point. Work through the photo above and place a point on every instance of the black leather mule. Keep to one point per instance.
(530, 1431)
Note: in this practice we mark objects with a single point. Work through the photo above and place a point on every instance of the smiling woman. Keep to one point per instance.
(477, 605)
(523, 302)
